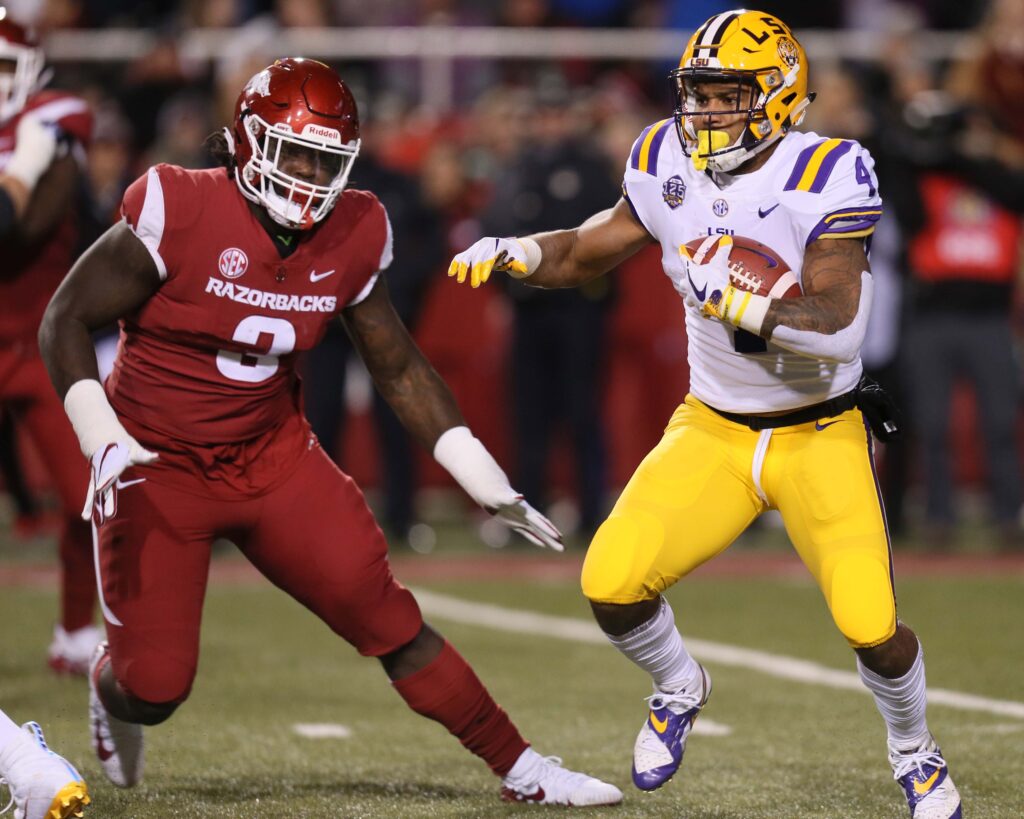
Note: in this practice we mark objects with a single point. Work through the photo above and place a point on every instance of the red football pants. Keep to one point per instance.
(26, 391)
(313, 536)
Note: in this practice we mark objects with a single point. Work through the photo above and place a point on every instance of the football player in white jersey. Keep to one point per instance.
(776, 414)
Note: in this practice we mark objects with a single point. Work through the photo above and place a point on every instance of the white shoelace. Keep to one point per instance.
(917, 760)
(681, 700)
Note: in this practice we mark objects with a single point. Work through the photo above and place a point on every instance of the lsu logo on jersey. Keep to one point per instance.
(673, 191)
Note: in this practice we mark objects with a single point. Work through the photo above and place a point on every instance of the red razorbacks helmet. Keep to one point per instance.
(20, 51)
(294, 107)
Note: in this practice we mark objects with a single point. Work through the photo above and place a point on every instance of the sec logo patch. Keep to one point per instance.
(720, 207)
(232, 263)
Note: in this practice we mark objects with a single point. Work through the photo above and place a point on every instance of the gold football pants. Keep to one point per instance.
(709, 478)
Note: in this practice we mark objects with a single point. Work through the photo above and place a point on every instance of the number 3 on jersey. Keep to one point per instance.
(254, 367)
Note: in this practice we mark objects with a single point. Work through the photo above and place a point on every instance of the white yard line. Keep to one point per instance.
(322, 730)
(776, 665)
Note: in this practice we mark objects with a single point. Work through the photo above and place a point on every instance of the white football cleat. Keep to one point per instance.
(926, 783)
(71, 651)
(43, 784)
(118, 745)
(541, 780)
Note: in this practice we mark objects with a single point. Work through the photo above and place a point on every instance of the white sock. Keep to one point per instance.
(901, 702)
(658, 649)
(8, 731)
(523, 772)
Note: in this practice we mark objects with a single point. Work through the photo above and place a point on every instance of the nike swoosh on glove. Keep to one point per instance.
(489, 253)
(531, 524)
(106, 466)
(708, 279)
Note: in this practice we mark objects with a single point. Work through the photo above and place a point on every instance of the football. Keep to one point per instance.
(755, 267)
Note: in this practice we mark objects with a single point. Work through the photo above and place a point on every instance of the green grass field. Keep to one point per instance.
(792, 749)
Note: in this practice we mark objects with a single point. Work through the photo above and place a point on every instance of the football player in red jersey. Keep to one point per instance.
(219, 279)
(43, 136)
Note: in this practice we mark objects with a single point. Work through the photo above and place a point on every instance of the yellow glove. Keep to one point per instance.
(510, 256)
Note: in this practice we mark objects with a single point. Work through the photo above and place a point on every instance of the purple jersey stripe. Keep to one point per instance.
(652, 153)
(827, 164)
(801, 166)
(842, 225)
(634, 157)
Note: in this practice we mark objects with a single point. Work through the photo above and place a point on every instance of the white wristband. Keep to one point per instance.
(744, 309)
(533, 257)
(469, 462)
(91, 415)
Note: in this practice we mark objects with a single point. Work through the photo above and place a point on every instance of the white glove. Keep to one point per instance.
(34, 149)
(469, 462)
(107, 445)
(708, 279)
(517, 257)
(106, 466)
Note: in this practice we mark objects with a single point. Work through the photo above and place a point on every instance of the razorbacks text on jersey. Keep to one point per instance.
(209, 359)
(31, 272)
(810, 187)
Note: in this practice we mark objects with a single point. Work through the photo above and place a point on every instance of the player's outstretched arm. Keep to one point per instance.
(561, 258)
(427, 408)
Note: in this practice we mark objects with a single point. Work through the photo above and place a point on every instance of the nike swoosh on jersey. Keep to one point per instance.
(122, 484)
(820, 426)
(315, 277)
(698, 293)
(762, 212)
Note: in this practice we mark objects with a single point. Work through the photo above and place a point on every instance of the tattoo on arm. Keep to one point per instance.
(831, 283)
(417, 394)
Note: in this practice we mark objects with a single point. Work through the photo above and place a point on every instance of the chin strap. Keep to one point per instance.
(229, 139)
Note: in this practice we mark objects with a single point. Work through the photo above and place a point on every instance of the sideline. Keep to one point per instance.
(776, 665)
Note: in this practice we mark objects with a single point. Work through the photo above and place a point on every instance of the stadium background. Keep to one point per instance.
(446, 90)
(449, 92)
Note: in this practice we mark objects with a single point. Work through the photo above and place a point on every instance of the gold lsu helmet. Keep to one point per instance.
(757, 53)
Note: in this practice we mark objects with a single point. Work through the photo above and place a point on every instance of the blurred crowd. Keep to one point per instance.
(575, 387)
(185, 14)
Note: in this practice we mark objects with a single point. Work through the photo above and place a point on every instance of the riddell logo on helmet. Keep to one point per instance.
(329, 134)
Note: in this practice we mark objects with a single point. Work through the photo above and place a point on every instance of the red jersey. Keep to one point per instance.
(30, 274)
(209, 359)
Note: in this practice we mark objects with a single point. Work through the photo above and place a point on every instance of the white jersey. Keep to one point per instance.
(808, 188)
